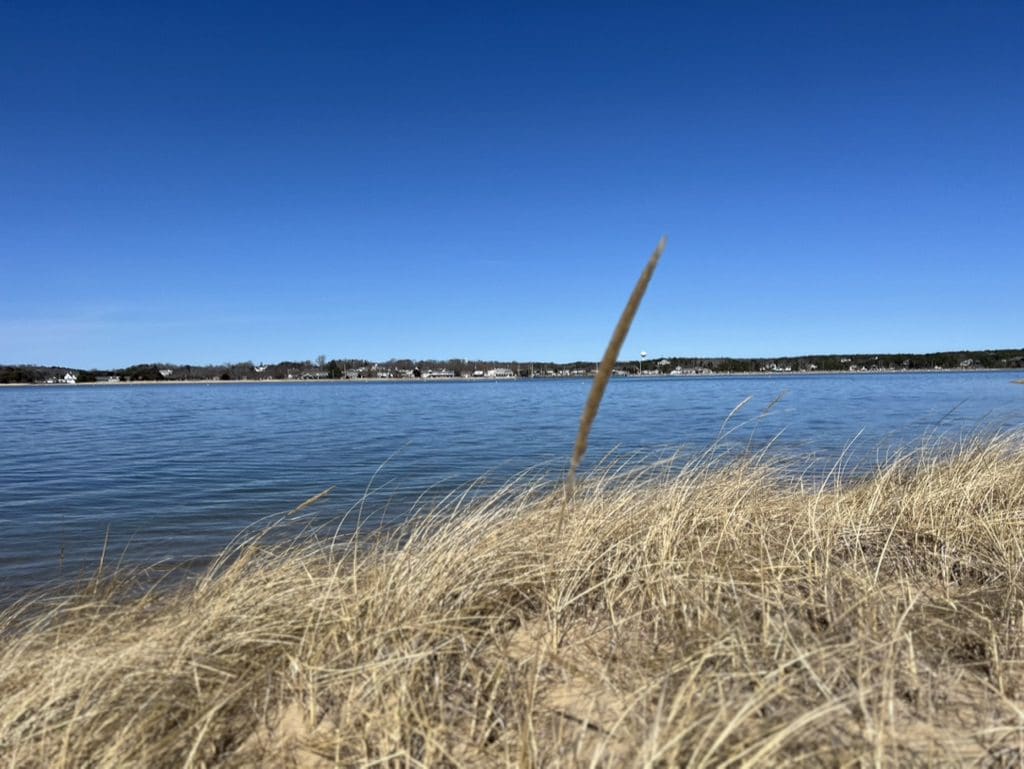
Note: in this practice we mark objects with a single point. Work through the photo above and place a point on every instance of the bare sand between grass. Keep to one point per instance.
(704, 615)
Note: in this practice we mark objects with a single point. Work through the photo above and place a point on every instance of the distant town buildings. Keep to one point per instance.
(457, 368)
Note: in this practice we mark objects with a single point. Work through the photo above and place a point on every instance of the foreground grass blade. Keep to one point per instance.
(604, 371)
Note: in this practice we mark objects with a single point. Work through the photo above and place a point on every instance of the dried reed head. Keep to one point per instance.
(604, 371)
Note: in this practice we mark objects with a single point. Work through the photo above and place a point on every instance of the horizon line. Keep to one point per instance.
(527, 361)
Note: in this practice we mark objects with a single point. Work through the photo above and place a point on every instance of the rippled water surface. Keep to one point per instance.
(174, 471)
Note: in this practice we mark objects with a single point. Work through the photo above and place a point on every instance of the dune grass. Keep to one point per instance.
(701, 615)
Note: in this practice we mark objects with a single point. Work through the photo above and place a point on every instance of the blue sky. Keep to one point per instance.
(229, 181)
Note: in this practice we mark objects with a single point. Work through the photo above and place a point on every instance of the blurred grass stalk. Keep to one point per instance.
(604, 373)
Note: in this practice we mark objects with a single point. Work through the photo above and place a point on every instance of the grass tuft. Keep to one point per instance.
(704, 614)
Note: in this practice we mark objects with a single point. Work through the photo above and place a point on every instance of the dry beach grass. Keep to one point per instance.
(700, 615)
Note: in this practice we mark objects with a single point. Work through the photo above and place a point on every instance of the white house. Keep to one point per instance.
(70, 378)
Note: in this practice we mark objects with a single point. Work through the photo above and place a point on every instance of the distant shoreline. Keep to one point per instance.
(396, 380)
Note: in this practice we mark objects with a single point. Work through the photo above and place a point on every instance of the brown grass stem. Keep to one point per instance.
(604, 373)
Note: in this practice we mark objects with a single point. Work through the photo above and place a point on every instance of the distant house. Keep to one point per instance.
(500, 373)
(166, 372)
(967, 363)
(70, 378)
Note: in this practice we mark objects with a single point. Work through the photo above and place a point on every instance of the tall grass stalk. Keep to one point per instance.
(604, 373)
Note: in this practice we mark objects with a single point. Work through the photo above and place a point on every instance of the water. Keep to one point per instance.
(172, 472)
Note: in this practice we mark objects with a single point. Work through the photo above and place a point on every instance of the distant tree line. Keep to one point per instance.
(358, 368)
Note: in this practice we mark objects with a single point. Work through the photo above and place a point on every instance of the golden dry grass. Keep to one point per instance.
(704, 615)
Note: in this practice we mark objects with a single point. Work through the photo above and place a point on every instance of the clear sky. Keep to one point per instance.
(227, 181)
